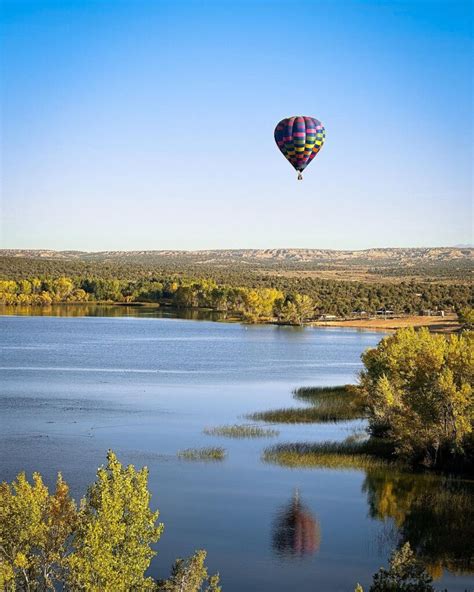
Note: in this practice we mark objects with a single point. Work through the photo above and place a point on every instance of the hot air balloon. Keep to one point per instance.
(300, 138)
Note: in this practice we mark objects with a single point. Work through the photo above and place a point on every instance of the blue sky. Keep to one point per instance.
(148, 124)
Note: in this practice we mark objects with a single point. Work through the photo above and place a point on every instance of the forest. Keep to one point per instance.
(247, 294)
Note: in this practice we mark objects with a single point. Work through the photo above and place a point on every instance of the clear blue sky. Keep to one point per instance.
(148, 124)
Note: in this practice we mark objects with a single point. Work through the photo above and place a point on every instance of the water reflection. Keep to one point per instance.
(113, 310)
(434, 514)
(296, 532)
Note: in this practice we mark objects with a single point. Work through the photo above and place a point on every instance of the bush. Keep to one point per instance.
(419, 394)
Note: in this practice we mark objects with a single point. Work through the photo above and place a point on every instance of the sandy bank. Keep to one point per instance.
(446, 324)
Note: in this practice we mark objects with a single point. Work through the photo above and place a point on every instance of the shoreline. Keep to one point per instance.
(446, 324)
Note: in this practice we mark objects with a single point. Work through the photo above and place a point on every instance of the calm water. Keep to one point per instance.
(72, 387)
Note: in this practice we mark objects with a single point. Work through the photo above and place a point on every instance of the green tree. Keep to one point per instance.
(419, 393)
(190, 575)
(35, 529)
(466, 318)
(25, 287)
(405, 574)
(295, 309)
(62, 287)
(47, 543)
(116, 528)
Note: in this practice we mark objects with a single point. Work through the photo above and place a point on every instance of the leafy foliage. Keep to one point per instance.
(251, 291)
(35, 528)
(466, 318)
(295, 309)
(190, 575)
(405, 574)
(116, 528)
(420, 394)
(104, 545)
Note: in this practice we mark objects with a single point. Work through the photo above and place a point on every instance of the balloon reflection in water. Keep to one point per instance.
(296, 532)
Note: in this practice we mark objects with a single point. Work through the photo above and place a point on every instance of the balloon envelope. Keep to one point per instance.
(300, 139)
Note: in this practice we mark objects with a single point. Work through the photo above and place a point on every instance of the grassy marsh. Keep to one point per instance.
(241, 431)
(210, 453)
(325, 404)
(349, 454)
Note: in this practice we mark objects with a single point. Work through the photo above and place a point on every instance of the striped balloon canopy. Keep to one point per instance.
(300, 138)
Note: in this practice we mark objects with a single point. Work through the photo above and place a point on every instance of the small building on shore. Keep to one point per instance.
(385, 312)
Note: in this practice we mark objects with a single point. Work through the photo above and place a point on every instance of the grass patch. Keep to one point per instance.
(349, 454)
(241, 431)
(316, 394)
(326, 404)
(211, 453)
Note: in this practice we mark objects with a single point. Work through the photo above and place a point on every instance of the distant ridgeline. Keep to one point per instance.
(251, 294)
(447, 263)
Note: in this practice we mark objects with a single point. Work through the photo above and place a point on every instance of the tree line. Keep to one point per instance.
(251, 304)
(256, 298)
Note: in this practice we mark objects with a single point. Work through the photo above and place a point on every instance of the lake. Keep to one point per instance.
(146, 385)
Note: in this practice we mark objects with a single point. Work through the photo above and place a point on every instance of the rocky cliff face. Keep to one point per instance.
(402, 255)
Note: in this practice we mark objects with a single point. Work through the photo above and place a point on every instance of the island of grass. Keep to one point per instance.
(350, 454)
(207, 454)
(241, 431)
(323, 404)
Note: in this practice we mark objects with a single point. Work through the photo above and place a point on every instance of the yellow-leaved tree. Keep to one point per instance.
(190, 575)
(419, 391)
(35, 530)
(104, 545)
(116, 528)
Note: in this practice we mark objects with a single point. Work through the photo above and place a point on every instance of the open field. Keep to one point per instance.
(445, 324)
(371, 265)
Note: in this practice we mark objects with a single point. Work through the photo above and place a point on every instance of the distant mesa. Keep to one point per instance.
(400, 255)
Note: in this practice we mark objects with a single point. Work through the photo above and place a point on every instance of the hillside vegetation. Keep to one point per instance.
(371, 264)
(272, 286)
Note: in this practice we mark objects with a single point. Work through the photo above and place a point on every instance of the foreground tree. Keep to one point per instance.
(48, 543)
(35, 528)
(418, 388)
(116, 528)
(190, 575)
(405, 574)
